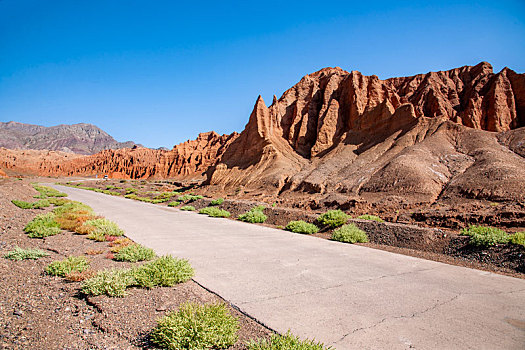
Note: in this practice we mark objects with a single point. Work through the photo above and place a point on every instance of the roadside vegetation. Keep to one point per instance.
(43, 203)
(64, 267)
(485, 236)
(188, 198)
(188, 208)
(165, 271)
(196, 326)
(333, 218)
(18, 254)
(217, 201)
(286, 341)
(254, 215)
(349, 234)
(134, 253)
(301, 226)
(43, 225)
(215, 212)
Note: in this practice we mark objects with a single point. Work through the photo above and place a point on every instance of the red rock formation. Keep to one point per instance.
(191, 158)
(356, 134)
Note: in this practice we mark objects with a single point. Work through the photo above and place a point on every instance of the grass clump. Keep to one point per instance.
(287, 341)
(350, 234)
(18, 254)
(217, 201)
(58, 201)
(518, 238)
(188, 208)
(215, 212)
(254, 215)
(134, 253)
(63, 267)
(72, 206)
(371, 217)
(108, 282)
(98, 229)
(43, 225)
(189, 198)
(46, 191)
(301, 227)
(197, 326)
(119, 244)
(173, 204)
(485, 236)
(333, 218)
(165, 271)
(28, 205)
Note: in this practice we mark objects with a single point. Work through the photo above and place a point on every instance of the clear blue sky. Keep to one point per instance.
(160, 72)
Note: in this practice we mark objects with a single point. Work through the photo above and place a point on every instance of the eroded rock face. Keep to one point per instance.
(187, 159)
(423, 137)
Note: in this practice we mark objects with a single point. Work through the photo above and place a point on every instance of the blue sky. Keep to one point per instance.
(160, 72)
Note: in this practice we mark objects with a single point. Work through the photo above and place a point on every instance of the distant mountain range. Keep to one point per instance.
(79, 138)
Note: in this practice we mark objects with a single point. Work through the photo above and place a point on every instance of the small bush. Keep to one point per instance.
(101, 229)
(254, 215)
(165, 271)
(46, 191)
(350, 234)
(287, 341)
(189, 198)
(58, 201)
(333, 218)
(72, 207)
(301, 227)
(43, 225)
(188, 208)
(131, 190)
(35, 205)
(215, 212)
(217, 201)
(109, 282)
(196, 326)
(63, 267)
(518, 238)
(94, 252)
(371, 217)
(18, 254)
(134, 253)
(173, 204)
(485, 236)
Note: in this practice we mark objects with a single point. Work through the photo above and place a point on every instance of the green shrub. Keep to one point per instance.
(287, 341)
(485, 236)
(71, 207)
(165, 271)
(173, 204)
(196, 326)
(254, 215)
(215, 212)
(63, 267)
(131, 190)
(46, 191)
(22, 254)
(43, 225)
(103, 227)
(109, 282)
(301, 227)
(35, 205)
(518, 238)
(333, 218)
(349, 234)
(58, 201)
(189, 198)
(134, 253)
(188, 208)
(371, 217)
(217, 201)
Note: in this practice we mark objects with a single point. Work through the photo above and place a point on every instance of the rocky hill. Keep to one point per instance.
(77, 138)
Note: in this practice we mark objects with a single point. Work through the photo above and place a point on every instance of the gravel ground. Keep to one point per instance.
(43, 312)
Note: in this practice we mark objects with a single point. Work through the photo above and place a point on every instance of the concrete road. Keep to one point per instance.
(349, 297)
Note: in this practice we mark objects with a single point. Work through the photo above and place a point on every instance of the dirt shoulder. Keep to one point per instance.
(38, 311)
